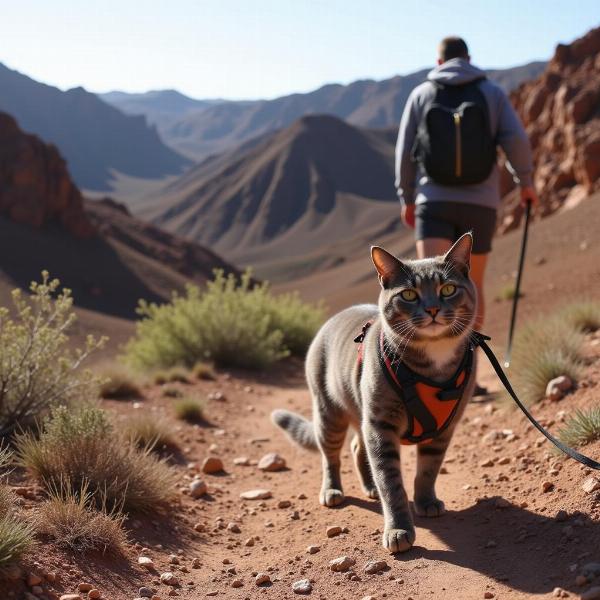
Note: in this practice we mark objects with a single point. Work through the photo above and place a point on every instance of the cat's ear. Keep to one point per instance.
(387, 265)
(460, 253)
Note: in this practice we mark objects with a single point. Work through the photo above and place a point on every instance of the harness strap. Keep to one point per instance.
(480, 340)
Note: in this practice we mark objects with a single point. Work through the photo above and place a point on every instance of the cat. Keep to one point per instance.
(426, 312)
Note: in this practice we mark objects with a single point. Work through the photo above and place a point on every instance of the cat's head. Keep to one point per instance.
(427, 299)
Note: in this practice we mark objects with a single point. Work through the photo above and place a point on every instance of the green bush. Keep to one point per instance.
(231, 323)
(79, 448)
(582, 428)
(188, 409)
(545, 349)
(37, 368)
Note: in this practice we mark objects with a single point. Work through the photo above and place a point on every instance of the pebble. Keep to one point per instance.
(341, 564)
(284, 504)
(591, 484)
(561, 516)
(234, 528)
(146, 592)
(94, 594)
(256, 495)
(249, 542)
(271, 462)
(211, 465)
(487, 463)
(146, 562)
(303, 586)
(169, 578)
(333, 531)
(198, 488)
(558, 592)
(547, 486)
(262, 578)
(237, 583)
(557, 387)
(313, 549)
(70, 597)
(242, 461)
(85, 587)
(488, 595)
(33, 579)
(375, 566)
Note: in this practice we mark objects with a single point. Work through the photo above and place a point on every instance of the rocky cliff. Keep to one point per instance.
(561, 112)
(35, 186)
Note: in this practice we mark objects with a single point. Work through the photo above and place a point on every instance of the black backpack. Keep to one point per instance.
(454, 143)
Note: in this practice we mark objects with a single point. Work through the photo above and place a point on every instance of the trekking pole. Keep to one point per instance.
(513, 316)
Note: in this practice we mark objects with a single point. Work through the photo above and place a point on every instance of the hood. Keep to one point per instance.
(455, 71)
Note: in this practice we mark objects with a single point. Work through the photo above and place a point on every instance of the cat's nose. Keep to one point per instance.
(432, 310)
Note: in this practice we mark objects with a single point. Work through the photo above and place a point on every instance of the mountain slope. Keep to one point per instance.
(94, 137)
(294, 187)
(366, 103)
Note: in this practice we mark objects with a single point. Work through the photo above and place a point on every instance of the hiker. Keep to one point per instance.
(446, 173)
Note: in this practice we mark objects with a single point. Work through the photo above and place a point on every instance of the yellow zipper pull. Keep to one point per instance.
(458, 167)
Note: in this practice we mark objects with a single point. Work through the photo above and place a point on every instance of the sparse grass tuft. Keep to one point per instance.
(202, 370)
(16, 540)
(146, 430)
(582, 428)
(172, 375)
(80, 444)
(231, 323)
(508, 292)
(170, 391)
(75, 524)
(188, 409)
(583, 316)
(545, 349)
(119, 383)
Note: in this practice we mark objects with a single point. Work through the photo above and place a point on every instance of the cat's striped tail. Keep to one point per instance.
(297, 428)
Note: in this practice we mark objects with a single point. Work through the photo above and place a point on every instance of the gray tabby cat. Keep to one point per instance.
(426, 310)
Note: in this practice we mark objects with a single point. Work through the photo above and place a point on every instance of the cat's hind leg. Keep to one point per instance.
(361, 462)
(429, 461)
(331, 425)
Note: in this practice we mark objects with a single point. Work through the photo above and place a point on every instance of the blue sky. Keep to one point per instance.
(266, 48)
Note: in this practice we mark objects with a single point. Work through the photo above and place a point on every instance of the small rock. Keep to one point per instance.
(85, 587)
(488, 595)
(237, 583)
(70, 597)
(196, 563)
(198, 488)
(547, 486)
(487, 463)
(302, 587)
(375, 566)
(33, 579)
(94, 594)
(211, 465)
(256, 495)
(249, 542)
(591, 484)
(284, 504)
(558, 386)
(333, 531)
(262, 578)
(271, 462)
(234, 528)
(313, 549)
(558, 592)
(501, 503)
(561, 516)
(242, 461)
(146, 562)
(341, 564)
(146, 592)
(169, 578)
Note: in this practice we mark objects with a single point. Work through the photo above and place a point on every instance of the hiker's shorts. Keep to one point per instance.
(449, 220)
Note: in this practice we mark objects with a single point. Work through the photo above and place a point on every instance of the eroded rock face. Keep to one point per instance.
(35, 185)
(561, 113)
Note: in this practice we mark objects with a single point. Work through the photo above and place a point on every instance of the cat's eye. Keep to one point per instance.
(448, 290)
(408, 295)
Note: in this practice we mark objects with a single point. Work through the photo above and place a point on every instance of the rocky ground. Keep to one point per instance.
(522, 521)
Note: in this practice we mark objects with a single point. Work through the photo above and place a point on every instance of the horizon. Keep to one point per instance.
(165, 48)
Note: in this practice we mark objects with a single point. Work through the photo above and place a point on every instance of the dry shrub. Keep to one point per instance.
(38, 370)
(582, 428)
(205, 371)
(582, 316)
(75, 524)
(81, 446)
(170, 391)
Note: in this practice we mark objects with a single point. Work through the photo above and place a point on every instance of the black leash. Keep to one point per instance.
(480, 340)
(513, 316)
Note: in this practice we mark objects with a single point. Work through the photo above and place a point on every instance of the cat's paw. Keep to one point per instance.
(398, 540)
(371, 492)
(331, 497)
(429, 508)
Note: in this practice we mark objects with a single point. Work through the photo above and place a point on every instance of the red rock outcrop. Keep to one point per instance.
(561, 113)
(35, 185)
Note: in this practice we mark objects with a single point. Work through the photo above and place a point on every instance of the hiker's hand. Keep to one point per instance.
(408, 215)
(528, 193)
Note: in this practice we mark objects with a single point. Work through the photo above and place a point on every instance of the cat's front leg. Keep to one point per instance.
(381, 440)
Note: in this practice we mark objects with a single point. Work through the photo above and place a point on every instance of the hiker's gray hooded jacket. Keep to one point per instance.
(413, 185)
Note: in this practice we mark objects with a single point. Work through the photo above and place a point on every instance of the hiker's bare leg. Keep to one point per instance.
(478, 264)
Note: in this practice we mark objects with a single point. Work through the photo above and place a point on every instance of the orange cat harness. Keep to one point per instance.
(430, 406)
